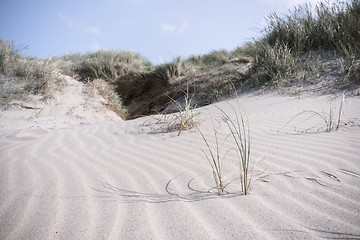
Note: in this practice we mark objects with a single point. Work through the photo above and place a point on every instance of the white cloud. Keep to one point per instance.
(67, 20)
(92, 30)
(94, 46)
(184, 27)
(77, 25)
(168, 28)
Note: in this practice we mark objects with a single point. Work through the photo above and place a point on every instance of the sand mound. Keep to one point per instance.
(76, 103)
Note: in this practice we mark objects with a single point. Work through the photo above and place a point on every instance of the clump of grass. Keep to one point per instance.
(215, 161)
(8, 54)
(108, 65)
(36, 73)
(272, 62)
(167, 71)
(239, 129)
(332, 119)
(331, 27)
(354, 71)
(184, 118)
(211, 59)
(22, 75)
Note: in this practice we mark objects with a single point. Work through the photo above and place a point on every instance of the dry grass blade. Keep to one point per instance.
(331, 123)
(185, 118)
(214, 161)
(240, 132)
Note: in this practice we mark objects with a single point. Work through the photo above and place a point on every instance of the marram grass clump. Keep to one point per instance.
(21, 76)
(108, 65)
(332, 119)
(215, 160)
(287, 40)
(239, 132)
(184, 118)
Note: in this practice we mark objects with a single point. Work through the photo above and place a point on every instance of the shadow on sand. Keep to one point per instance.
(110, 192)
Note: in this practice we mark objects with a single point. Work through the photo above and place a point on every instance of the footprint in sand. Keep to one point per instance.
(24, 135)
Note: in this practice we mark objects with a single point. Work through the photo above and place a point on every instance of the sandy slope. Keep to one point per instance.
(76, 103)
(128, 180)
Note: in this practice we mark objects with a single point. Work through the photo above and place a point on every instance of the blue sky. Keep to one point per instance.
(159, 30)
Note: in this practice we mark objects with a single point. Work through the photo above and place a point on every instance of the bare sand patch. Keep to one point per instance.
(114, 179)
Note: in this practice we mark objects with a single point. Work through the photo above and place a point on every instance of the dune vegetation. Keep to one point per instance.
(304, 48)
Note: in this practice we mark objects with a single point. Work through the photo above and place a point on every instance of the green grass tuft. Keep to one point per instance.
(215, 161)
(108, 65)
(184, 118)
(331, 119)
(8, 55)
(331, 27)
(239, 131)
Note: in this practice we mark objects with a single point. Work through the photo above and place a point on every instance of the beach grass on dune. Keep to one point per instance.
(8, 54)
(239, 132)
(22, 76)
(331, 119)
(287, 40)
(300, 48)
(215, 160)
(108, 65)
(184, 116)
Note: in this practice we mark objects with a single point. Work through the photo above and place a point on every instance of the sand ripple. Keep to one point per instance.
(124, 180)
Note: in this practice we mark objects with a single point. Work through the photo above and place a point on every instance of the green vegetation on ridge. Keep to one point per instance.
(301, 48)
(291, 40)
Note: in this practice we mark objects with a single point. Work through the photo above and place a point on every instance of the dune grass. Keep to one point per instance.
(211, 59)
(331, 119)
(329, 27)
(280, 52)
(285, 55)
(239, 131)
(8, 54)
(21, 76)
(174, 69)
(215, 161)
(108, 65)
(184, 117)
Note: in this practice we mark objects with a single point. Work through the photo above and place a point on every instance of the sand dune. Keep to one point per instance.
(129, 180)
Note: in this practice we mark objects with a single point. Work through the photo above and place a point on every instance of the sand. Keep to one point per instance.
(86, 174)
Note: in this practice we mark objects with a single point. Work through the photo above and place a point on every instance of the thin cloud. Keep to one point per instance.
(92, 30)
(168, 28)
(77, 25)
(67, 20)
(184, 27)
(94, 46)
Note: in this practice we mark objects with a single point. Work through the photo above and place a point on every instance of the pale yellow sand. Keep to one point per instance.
(128, 180)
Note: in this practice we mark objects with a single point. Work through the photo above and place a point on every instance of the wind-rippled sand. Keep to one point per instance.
(129, 180)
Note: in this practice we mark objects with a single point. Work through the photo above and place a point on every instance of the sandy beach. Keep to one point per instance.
(87, 174)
